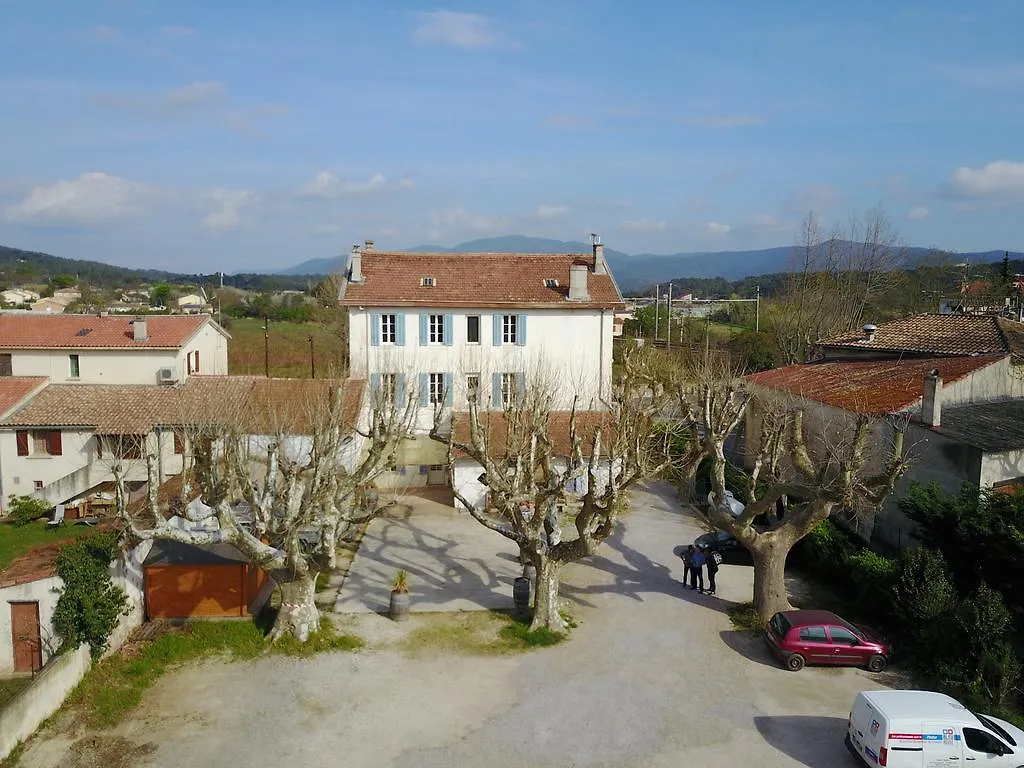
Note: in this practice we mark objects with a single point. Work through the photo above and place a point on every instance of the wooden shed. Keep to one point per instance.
(183, 580)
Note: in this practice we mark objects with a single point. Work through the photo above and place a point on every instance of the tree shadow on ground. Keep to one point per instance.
(816, 742)
(749, 645)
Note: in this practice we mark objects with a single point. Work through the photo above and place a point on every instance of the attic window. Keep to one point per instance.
(550, 282)
(426, 282)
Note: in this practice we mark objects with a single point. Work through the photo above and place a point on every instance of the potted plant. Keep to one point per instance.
(399, 608)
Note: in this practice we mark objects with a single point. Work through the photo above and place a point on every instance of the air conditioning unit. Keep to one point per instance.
(167, 376)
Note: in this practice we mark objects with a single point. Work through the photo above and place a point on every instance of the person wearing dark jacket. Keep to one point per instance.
(712, 565)
(686, 556)
(697, 569)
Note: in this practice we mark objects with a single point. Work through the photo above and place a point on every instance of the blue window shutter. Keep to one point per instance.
(400, 390)
(424, 389)
(400, 329)
(496, 389)
(520, 388)
(448, 334)
(496, 328)
(375, 329)
(520, 330)
(448, 396)
(424, 328)
(375, 386)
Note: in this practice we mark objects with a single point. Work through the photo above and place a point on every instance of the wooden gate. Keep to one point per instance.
(28, 647)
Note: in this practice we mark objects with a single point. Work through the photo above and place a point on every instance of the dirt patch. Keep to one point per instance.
(103, 751)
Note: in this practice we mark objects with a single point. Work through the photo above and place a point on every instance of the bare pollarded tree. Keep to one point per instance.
(279, 480)
(530, 454)
(844, 461)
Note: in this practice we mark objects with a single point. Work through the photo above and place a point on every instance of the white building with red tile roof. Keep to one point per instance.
(461, 325)
(107, 349)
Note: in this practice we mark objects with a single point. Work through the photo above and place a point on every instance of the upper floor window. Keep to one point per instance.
(74, 369)
(473, 329)
(436, 332)
(427, 282)
(388, 329)
(38, 442)
(192, 360)
(509, 329)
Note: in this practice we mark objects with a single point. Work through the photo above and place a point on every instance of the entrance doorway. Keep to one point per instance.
(28, 646)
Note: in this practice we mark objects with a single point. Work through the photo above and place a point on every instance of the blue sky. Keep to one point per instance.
(198, 136)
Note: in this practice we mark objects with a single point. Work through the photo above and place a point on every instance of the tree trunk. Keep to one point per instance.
(298, 614)
(770, 594)
(545, 602)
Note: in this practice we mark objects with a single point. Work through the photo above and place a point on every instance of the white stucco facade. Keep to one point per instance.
(568, 349)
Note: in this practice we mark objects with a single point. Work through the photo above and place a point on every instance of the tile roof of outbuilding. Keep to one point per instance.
(992, 427)
(393, 279)
(254, 404)
(873, 387)
(64, 331)
(938, 335)
(14, 389)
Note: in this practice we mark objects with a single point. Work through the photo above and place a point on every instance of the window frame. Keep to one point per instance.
(852, 641)
(389, 335)
(472, 390)
(74, 367)
(469, 329)
(6, 364)
(435, 388)
(509, 329)
(509, 390)
(435, 329)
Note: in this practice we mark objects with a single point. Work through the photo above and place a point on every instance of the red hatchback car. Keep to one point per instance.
(820, 637)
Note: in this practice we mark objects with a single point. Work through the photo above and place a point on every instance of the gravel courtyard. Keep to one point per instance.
(653, 676)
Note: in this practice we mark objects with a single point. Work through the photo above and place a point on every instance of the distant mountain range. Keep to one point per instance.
(635, 272)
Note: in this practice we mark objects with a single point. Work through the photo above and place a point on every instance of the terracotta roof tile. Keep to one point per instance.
(476, 280)
(39, 331)
(251, 402)
(938, 335)
(874, 387)
(14, 389)
(558, 425)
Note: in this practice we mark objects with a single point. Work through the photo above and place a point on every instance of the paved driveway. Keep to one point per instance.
(653, 676)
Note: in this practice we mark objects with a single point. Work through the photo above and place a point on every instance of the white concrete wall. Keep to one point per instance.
(999, 381)
(45, 592)
(467, 483)
(128, 574)
(20, 718)
(999, 467)
(213, 354)
(96, 366)
(572, 348)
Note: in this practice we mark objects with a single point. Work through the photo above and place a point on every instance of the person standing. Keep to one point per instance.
(687, 555)
(697, 569)
(712, 564)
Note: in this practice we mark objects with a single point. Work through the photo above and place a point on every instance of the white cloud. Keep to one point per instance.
(717, 228)
(323, 186)
(326, 186)
(999, 179)
(405, 183)
(463, 30)
(919, 212)
(177, 30)
(551, 211)
(724, 121)
(92, 197)
(231, 203)
(644, 225)
(174, 101)
(372, 184)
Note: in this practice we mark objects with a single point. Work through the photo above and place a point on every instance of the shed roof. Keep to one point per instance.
(64, 331)
(873, 387)
(394, 279)
(166, 552)
(991, 427)
(936, 335)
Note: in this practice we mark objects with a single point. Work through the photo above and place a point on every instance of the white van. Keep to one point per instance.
(922, 729)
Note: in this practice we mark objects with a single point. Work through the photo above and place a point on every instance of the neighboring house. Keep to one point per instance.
(15, 391)
(18, 296)
(103, 349)
(450, 327)
(956, 380)
(49, 305)
(67, 295)
(192, 303)
(59, 444)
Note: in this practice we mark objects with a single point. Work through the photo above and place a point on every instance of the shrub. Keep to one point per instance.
(826, 550)
(26, 509)
(89, 605)
(873, 575)
(922, 589)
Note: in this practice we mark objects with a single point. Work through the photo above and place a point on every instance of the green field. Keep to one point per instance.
(288, 346)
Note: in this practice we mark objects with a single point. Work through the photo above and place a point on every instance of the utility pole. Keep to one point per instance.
(657, 308)
(668, 321)
(757, 309)
(266, 347)
(312, 360)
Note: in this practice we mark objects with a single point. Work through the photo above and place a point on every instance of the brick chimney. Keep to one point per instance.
(355, 265)
(140, 329)
(931, 401)
(578, 282)
(600, 265)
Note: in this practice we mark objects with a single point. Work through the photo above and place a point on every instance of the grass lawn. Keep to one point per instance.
(289, 348)
(16, 540)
